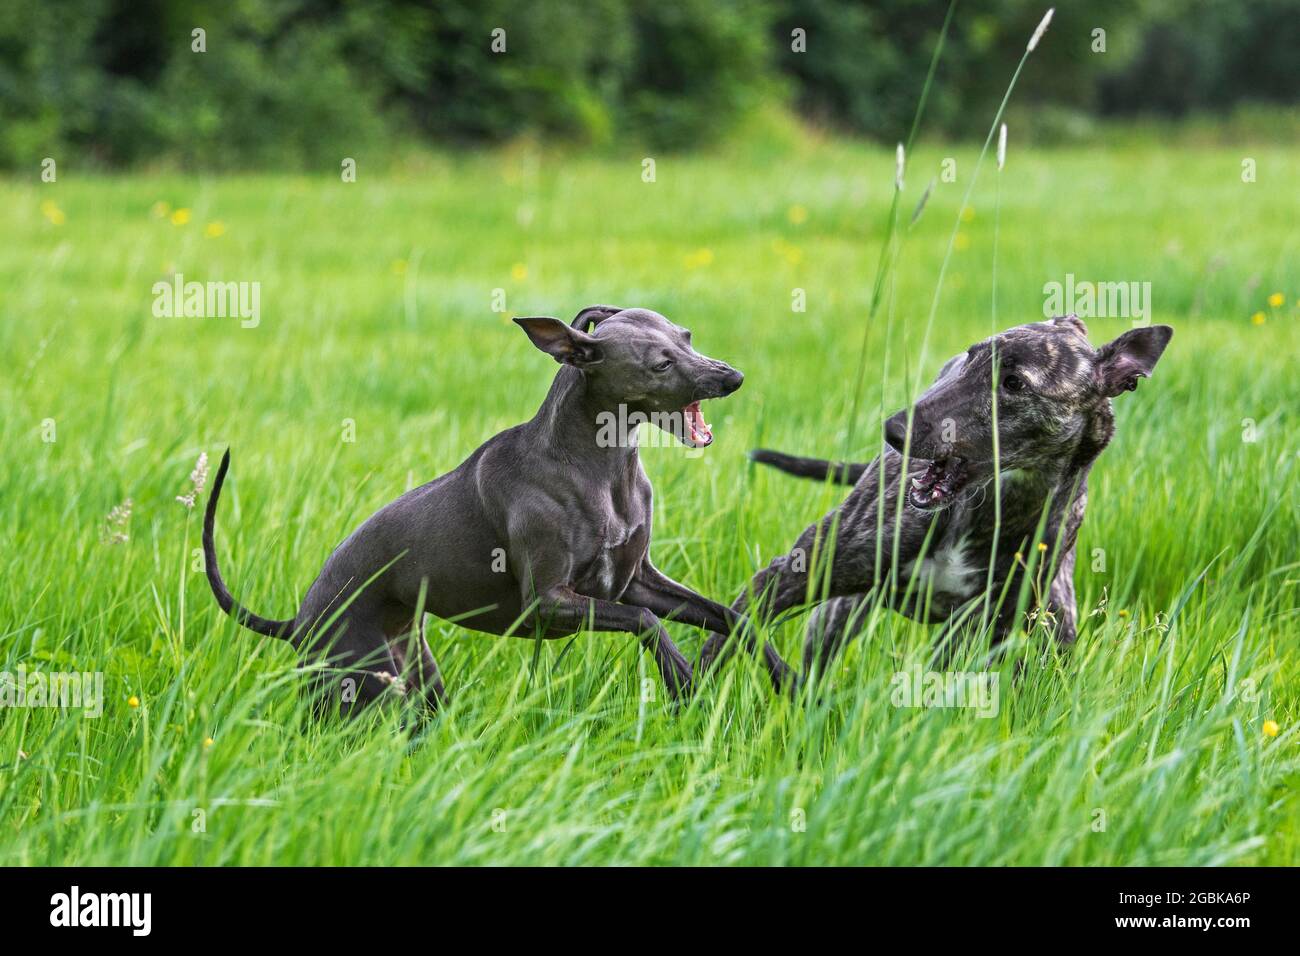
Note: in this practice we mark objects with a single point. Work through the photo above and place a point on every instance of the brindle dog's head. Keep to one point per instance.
(1053, 394)
(638, 359)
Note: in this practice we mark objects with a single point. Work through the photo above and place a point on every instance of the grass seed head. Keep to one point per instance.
(1042, 28)
(198, 481)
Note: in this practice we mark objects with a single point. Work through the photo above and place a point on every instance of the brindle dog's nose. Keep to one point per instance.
(896, 430)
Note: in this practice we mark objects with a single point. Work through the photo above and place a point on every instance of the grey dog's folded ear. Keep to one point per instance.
(593, 315)
(565, 344)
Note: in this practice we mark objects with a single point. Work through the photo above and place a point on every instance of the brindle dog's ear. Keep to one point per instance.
(1131, 356)
(593, 315)
(565, 344)
(1072, 321)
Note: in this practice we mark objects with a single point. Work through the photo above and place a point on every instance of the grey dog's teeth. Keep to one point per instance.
(916, 483)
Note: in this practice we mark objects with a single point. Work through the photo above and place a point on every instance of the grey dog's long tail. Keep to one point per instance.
(840, 472)
(254, 622)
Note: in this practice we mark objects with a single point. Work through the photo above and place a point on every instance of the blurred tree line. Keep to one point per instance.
(304, 81)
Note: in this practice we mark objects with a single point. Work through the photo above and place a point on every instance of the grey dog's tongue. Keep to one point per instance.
(700, 433)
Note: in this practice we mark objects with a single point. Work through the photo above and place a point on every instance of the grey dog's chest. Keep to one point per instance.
(619, 541)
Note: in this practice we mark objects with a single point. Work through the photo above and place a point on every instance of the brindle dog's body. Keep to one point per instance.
(959, 541)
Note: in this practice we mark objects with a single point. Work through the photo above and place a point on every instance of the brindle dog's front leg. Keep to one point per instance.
(831, 627)
(1061, 601)
(653, 589)
(781, 585)
(847, 539)
(776, 588)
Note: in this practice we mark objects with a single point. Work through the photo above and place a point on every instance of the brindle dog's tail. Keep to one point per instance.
(842, 473)
(254, 622)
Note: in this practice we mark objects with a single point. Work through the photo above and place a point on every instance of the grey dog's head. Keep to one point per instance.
(1053, 392)
(638, 359)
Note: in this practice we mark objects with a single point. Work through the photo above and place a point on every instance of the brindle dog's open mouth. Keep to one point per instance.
(939, 484)
(698, 433)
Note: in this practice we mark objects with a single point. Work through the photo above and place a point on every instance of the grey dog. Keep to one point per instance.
(543, 530)
(957, 537)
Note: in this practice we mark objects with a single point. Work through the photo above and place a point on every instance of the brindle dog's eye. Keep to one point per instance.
(1013, 383)
(664, 366)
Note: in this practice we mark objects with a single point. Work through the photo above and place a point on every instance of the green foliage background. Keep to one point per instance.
(301, 82)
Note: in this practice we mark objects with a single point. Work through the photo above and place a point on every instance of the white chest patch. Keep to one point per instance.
(604, 563)
(947, 572)
(605, 571)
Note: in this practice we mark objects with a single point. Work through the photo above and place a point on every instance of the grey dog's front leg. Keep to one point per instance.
(653, 589)
(564, 607)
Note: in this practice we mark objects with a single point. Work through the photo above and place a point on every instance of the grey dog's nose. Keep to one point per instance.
(732, 381)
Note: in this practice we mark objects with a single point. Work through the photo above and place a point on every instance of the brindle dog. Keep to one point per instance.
(941, 551)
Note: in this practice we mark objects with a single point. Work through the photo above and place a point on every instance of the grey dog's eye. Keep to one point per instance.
(664, 366)
(1013, 383)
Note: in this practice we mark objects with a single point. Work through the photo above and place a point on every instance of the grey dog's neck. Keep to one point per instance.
(569, 422)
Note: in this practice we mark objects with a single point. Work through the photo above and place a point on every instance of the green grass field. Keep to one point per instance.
(1146, 745)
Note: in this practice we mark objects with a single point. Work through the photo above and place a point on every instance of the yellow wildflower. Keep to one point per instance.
(51, 211)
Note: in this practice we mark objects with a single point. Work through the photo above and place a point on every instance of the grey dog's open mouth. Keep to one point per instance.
(937, 486)
(698, 432)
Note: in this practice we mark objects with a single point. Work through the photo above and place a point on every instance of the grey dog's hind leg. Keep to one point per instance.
(358, 668)
(416, 663)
